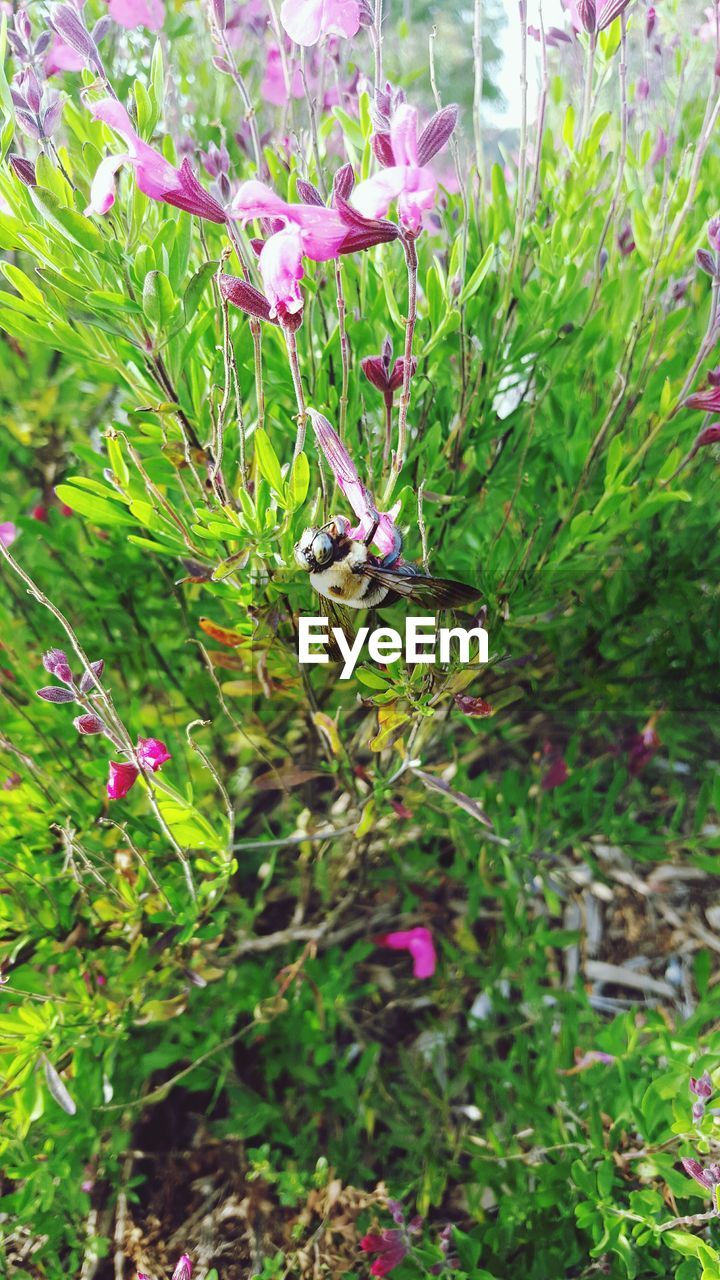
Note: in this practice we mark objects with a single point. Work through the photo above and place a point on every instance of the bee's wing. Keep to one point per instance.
(436, 593)
(336, 617)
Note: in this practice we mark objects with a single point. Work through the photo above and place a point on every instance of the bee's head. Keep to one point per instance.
(316, 548)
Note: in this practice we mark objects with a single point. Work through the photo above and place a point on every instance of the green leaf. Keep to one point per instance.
(299, 482)
(158, 299)
(268, 462)
(91, 505)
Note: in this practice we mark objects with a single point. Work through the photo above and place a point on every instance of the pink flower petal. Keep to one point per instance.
(404, 135)
(137, 13)
(281, 269)
(121, 778)
(102, 191)
(307, 21)
(419, 942)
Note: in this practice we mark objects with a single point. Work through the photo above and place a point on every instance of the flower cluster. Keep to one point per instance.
(702, 1091)
(149, 754)
(394, 1244)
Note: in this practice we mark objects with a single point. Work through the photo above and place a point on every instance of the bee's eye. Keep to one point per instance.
(322, 548)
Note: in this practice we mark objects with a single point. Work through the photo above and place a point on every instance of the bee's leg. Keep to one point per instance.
(367, 540)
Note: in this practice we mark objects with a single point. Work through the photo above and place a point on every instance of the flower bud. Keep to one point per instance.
(587, 14)
(642, 89)
(53, 693)
(89, 723)
(713, 232)
(86, 682)
(650, 22)
(706, 262)
(55, 661)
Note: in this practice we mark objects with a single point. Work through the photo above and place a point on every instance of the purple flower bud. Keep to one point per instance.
(698, 1111)
(714, 377)
(50, 117)
(89, 723)
(436, 133)
(396, 1212)
(68, 24)
(23, 26)
(642, 89)
(102, 28)
(247, 298)
(397, 377)
(708, 1178)
(611, 10)
(218, 13)
(706, 261)
(650, 22)
(55, 661)
(53, 693)
(587, 14)
(23, 169)
(708, 401)
(708, 435)
(87, 683)
(183, 1270)
(375, 372)
(703, 1087)
(713, 232)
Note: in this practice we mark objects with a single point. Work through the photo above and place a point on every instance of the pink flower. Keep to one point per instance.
(152, 753)
(138, 13)
(62, 57)
(120, 779)
(273, 88)
(183, 1270)
(155, 176)
(405, 177)
(419, 942)
(707, 1178)
(387, 536)
(299, 231)
(391, 1248)
(308, 21)
(8, 533)
(556, 775)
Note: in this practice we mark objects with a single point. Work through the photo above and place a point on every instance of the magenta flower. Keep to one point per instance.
(405, 177)
(121, 778)
(707, 400)
(308, 21)
(8, 533)
(183, 1270)
(62, 57)
(273, 88)
(386, 537)
(138, 13)
(419, 942)
(155, 176)
(152, 753)
(384, 373)
(390, 1246)
(300, 231)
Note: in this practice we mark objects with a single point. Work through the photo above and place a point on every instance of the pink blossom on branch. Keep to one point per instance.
(308, 21)
(121, 777)
(309, 230)
(138, 13)
(155, 176)
(152, 753)
(8, 533)
(419, 942)
(405, 178)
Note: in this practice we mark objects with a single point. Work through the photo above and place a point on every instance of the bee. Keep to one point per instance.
(343, 569)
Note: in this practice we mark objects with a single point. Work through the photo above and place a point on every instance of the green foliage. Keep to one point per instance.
(207, 942)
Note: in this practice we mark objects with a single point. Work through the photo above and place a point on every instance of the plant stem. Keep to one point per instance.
(378, 44)
(344, 348)
(398, 460)
(291, 344)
